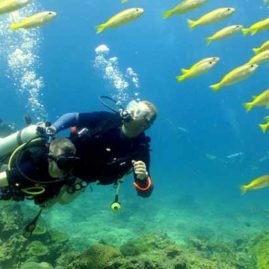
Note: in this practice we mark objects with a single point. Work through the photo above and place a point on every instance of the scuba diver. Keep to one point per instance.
(111, 145)
(38, 170)
(103, 147)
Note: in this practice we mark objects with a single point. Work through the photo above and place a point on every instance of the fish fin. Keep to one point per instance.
(100, 28)
(184, 71)
(253, 32)
(248, 106)
(167, 14)
(15, 26)
(263, 127)
(191, 23)
(244, 189)
(246, 31)
(208, 40)
(254, 96)
(215, 87)
(256, 51)
(181, 78)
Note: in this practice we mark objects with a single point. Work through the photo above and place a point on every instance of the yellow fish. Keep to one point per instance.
(124, 1)
(260, 58)
(121, 18)
(237, 74)
(12, 5)
(265, 126)
(258, 183)
(184, 7)
(35, 20)
(198, 69)
(260, 100)
(263, 47)
(212, 17)
(224, 33)
(256, 27)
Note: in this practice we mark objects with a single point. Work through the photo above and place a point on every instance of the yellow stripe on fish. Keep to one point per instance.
(258, 101)
(256, 27)
(121, 18)
(34, 21)
(234, 76)
(260, 58)
(263, 47)
(12, 5)
(184, 7)
(258, 183)
(224, 33)
(212, 17)
(198, 69)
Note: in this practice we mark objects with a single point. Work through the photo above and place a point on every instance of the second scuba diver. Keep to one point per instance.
(103, 148)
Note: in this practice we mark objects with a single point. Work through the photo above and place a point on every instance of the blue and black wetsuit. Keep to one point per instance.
(105, 153)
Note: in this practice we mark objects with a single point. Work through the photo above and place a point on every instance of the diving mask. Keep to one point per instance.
(137, 110)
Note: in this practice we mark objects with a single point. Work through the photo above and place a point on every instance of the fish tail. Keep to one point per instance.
(263, 127)
(191, 23)
(246, 31)
(248, 106)
(100, 28)
(256, 51)
(215, 87)
(244, 189)
(181, 78)
(184, 71)
(167, 14)
(15, 26)
(208, 40)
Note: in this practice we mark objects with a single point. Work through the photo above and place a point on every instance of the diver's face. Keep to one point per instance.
(137, 126)
(53, 169)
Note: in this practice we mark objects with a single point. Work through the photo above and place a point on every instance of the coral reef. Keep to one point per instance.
(50, 249)
(96, 257)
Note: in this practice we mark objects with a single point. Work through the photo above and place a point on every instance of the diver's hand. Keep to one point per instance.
(45, 129)
(140, 169)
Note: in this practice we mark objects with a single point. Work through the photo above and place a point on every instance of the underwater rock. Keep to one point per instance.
(37, 249)
(35, 265)
(261, 250)
(144, 244)
(96, 257)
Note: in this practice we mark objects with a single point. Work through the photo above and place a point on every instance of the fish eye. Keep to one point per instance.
(228, 9)
(252, 65)
(137, 9)
(210, 62)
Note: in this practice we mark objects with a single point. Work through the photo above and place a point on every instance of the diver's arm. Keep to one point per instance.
(82, 120)
(65, 121)
(143, 182)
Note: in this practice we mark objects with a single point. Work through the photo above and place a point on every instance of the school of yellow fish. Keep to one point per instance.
(261, 54)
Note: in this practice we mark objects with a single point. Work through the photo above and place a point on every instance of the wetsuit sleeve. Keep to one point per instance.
(144, 183)
(81, 120)
(65, 121)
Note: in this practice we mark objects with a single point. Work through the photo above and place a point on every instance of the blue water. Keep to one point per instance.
(192, 120)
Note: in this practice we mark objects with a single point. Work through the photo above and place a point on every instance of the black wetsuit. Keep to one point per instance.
(105, 153)
(31, 169)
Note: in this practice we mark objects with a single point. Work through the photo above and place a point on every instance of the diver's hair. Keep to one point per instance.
(62, 145)
(153, 110)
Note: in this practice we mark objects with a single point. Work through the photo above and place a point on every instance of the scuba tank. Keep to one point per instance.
(11, 142)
